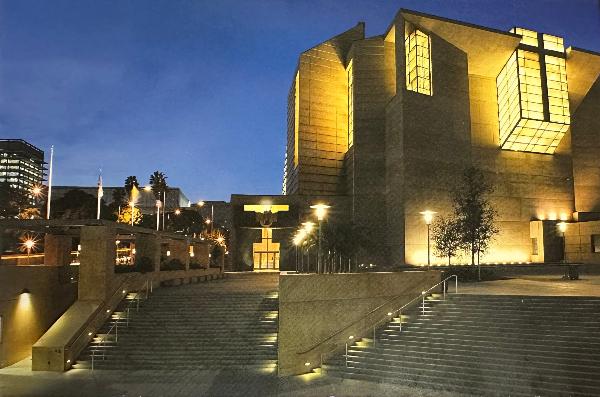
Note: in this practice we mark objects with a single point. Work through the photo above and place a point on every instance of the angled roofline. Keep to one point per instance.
(360, 23)
(591, 52)
(457, 22)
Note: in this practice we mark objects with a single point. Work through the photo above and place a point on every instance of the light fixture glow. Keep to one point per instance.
(320, 210)
(428, 216)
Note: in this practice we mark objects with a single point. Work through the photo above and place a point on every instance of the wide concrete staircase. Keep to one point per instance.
(230, 323)
(487, 345)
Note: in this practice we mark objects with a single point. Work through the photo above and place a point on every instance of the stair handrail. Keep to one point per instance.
(421, 296)
(143, 285)
(97, 312)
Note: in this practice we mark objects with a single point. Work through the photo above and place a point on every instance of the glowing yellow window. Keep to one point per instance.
(418, 62)
(296, 117)
(533, 105)
(350, 104)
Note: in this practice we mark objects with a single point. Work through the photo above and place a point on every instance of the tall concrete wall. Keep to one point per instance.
(313, 307)
(323, 115)
(585, 130)
(436, 142)
(373, 85)
(25, 317)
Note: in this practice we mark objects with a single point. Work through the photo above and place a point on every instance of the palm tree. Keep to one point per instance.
(130, 182)
(158, 181)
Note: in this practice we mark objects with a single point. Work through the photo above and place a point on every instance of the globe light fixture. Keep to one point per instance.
(562, 228)
(428, 217)
(320, 212)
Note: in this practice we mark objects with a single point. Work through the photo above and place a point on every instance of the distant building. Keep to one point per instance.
(146, 201)
(21, 165)
(219, 212)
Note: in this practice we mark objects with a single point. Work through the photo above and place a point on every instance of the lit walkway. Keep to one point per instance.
(543, 285)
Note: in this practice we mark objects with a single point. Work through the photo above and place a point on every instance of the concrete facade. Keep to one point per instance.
(408, 149)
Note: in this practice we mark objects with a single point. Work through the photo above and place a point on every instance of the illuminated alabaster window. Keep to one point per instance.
(553, 43)
(533, 99)
(529, 37)
(350, 104)
(418, 62)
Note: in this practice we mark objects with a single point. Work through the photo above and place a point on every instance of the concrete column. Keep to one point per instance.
(148, 245)
(201, 251)
(97, 262)
(180, 250)
(57, 249)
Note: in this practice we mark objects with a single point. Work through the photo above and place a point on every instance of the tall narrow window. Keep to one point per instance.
(350, 105)
(296, 117)
(418, 62)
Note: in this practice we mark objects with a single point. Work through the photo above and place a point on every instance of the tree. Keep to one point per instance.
(12, 201)
(125, 216)
(76, 204)
(475, 214)
(188, 222)
(342, 241)
(30, 213)
(446, 237)
(130, 182)
(158, 181)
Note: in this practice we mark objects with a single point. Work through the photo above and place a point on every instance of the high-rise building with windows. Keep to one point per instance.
(21, 165)
(388, 123)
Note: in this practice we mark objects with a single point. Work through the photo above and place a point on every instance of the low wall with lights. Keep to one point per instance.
(58, 348)
(31, 299)
(312, 307)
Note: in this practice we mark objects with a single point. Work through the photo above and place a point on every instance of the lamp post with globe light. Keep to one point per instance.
(428, 217)
(320, 212)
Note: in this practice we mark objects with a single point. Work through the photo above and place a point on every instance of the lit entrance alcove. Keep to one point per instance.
(265, 254)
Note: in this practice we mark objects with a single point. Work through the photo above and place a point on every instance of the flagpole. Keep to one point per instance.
(100, 193)
(49, 200)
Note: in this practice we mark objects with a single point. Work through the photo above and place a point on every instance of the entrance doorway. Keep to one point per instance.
(266, 253)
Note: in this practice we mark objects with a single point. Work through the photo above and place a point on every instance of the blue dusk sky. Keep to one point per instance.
(197, 89)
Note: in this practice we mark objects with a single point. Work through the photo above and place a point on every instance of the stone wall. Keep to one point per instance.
(313, 307)
(26, 316)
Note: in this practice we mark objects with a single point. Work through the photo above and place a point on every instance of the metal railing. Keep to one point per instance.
(389, 315)
(115, 326)
(84, 333)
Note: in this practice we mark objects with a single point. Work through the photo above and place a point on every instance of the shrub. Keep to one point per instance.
(196, 265)
(144, 265)
(173, 264)
(124, 269)
(470, 273)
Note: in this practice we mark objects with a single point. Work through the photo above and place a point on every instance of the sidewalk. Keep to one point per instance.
(19, 381)
(543, 285)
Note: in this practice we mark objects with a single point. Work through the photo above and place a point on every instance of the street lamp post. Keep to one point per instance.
(132, 205)
(428, 216)
(562, 227)
(158, 204)
(320, 212)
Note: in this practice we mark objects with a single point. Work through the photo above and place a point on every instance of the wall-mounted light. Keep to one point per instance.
(168, 253)
(25, 291)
